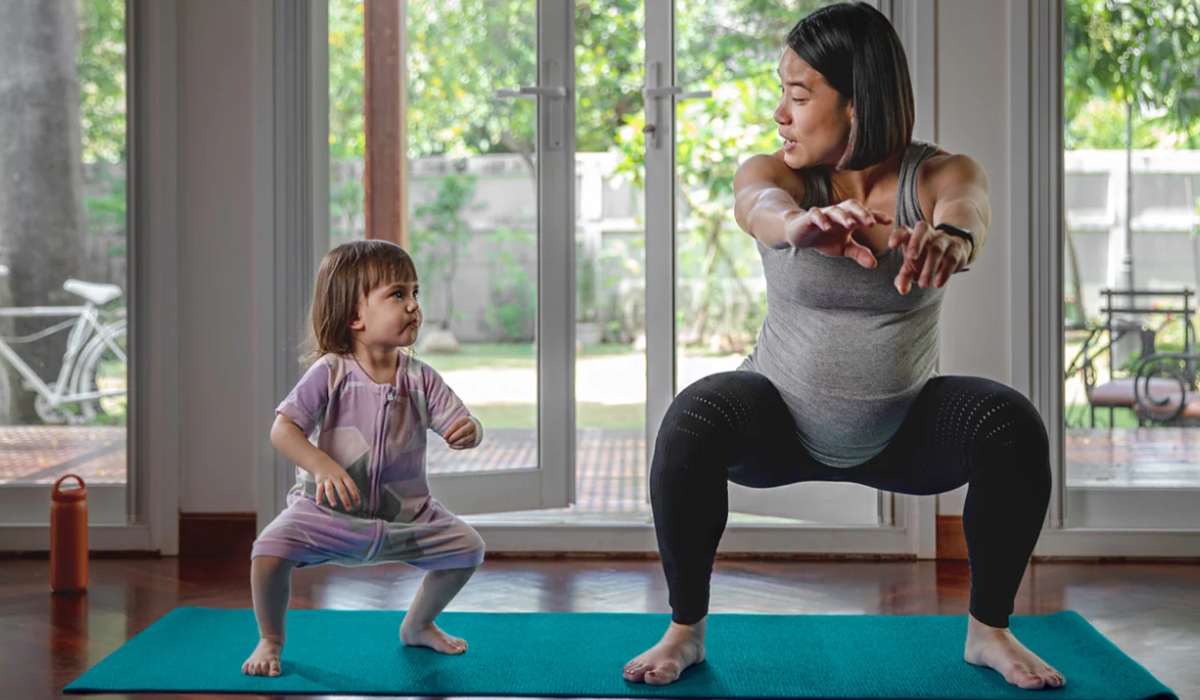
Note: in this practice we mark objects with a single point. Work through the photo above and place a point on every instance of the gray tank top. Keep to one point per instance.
(847, 352)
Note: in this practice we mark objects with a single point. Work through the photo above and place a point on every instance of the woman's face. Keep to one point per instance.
(813, 117)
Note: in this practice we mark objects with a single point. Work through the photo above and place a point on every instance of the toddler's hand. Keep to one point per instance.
(335, 483)
(462, 434)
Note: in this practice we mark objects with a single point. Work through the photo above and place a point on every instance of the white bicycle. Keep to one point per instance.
(92, 378)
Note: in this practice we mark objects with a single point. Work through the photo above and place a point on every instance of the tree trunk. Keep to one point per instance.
(41, 210)
(1130, 343)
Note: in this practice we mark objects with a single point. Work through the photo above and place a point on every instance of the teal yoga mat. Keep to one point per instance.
(581, 655)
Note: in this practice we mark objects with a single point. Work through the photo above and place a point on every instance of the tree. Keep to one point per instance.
(732, 49)
(41, 210)
(1142, 56)
(440, 233)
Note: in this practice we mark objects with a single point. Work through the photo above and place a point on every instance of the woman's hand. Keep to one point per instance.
(830, 230)
(930, 255)
(462, 434)
(334, 483)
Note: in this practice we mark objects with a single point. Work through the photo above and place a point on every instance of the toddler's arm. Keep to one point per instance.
(333, 481)
(298, 415)
(448, 416)
(290, 440)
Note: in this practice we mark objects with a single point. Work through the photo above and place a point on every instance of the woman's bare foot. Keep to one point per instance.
(681, 646)
(431, 636)
(264, 660)
(998, 649)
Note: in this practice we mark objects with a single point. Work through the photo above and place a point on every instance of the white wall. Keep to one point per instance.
(972, 118)
(215, 252)
(216, 231)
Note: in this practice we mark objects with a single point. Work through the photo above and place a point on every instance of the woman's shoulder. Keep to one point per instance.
(940, 167)
(808, 186)
(769, 169)
(944, 172)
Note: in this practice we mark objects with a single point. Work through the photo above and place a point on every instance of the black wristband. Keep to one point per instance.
(961, 233)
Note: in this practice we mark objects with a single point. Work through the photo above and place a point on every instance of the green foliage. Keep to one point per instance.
(512, 312)
(100, 69)
(438, 234)
(347, 68)
(1125, 52)
(101, 72)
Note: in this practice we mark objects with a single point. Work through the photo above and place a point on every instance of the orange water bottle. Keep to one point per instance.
(68, 537)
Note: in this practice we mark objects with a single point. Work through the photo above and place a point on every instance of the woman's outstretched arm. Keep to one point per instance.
(765, 196)
(961, 188)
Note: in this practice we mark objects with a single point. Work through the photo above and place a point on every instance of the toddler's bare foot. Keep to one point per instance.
(264, 660)
(431, 636)
(1000, 651)
(681, 646)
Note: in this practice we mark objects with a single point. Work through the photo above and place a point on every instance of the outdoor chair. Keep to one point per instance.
(1160, 387)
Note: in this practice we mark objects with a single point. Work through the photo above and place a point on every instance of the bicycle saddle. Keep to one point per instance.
(98, 294)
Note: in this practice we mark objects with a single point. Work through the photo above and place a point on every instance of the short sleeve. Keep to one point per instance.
(305, 404)
(445, 408)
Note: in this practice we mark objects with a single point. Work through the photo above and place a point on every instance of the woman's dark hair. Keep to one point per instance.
(855, 47)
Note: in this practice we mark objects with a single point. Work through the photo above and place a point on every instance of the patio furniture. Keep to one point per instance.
(1165, 389)
(1161, 386)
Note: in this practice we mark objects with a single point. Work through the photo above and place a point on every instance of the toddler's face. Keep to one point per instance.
(390, 315)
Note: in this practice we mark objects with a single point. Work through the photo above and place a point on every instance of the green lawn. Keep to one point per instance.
(518, 355)
(587, 415)
(618, 416)
(521, 415)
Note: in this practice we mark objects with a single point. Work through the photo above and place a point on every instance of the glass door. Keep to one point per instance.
(1131, 266)
(64, 335)
(711, 90)
(486, 113)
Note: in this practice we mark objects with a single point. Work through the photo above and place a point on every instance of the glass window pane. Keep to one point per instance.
(63, 242)
(1131, 257)
(471, 204)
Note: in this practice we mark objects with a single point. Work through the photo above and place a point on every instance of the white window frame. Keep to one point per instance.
(910, 528)
(292, 171)
(1080, 522)
(150, 495)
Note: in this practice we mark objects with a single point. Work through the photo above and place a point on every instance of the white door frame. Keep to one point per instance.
(910, 521)
(1082, 522)
(552, 483)
(292, 177)
(909, 527)
(913, 516)
(151, 494)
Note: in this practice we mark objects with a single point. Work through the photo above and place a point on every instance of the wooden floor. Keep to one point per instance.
(1151, 611)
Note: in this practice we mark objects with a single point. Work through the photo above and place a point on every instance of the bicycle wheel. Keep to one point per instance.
(104, 366)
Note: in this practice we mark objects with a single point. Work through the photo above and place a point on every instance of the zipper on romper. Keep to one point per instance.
(380, 437)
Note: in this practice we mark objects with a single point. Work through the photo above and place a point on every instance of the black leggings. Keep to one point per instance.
(734, 426)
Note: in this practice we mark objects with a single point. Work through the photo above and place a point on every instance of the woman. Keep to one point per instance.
(843, 384)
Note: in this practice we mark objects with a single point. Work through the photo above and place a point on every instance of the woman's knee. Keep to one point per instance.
(721, 403)
(708, 417)
(1011, 426)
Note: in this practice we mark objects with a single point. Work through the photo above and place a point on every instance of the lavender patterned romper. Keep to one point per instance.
(377, 433)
